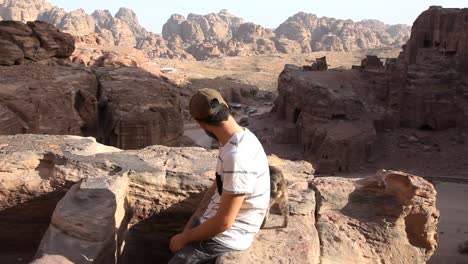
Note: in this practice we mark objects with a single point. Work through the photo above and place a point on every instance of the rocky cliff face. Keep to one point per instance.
(337, 115)
(125, 205)
(212, 35)
(317, 34)
(300, 33)
(43, 93)
(442, 30)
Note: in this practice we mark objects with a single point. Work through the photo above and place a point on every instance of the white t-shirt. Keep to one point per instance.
(243, 167)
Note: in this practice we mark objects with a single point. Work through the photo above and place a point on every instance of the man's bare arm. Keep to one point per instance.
(201, 208)
(229, 207)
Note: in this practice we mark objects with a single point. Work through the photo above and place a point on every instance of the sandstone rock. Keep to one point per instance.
(10, 123)
(250, 32)
(115, 59)
(336, 128)
(436, 66)
(89, 223)
(90, 39)
(305, 32)
(300, 33)
(299, 243)
(77, 23)
(428, 33)
(372, 63)
(284, 45)
(354, 219)
(51, 99)
(316, 34)
(205, 50)
(36, 173)
(128, 16)
(128, 125)
(37, 40)
(23, 10)
(10, 53)
(162, 186)
(320, 64)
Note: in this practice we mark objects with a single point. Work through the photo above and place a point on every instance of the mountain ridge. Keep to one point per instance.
(214, 34)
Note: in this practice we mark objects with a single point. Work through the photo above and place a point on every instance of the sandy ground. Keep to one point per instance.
(452, 199)
(261, 71)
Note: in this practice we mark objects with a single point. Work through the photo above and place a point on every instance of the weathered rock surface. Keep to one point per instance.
(36, 172)
(388, 218)
(66, 100)
(430, 32)
(44, 98)
(23, 10)
(160, 185)
(330, 118)
(50, 99)
(97, 55)
(34, 41)
(336, 115)
(130, 125)
(88, 224)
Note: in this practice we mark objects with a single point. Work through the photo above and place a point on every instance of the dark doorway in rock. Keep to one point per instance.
(426, 127)
(297, 114)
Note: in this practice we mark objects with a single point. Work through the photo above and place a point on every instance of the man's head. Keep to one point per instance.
(210, 110)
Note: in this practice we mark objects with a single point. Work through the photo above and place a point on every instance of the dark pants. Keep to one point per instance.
(204, 252)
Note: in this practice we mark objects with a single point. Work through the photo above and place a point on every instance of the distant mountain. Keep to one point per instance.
(214, 34)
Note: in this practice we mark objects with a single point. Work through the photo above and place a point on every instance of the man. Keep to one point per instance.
(234, 207)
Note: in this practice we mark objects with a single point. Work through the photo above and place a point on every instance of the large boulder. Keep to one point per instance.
(36, 172)
(155, 119)
(387, 218)
(35, 41)
(89, 223)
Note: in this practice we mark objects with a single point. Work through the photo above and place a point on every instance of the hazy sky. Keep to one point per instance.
(269, 13)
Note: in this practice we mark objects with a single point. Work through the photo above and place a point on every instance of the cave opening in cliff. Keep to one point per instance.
(426, 127)
(297, 115)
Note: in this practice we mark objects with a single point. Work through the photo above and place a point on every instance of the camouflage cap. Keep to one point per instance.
(205, 103)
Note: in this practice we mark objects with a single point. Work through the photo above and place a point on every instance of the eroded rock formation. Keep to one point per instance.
(137, 109)
(116, 101)
(336, 115)
(300, 33)
(145, 196)
(212, 35)
(34, 41)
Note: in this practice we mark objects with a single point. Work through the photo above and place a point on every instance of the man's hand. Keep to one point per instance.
(178, 242)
